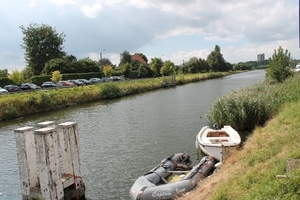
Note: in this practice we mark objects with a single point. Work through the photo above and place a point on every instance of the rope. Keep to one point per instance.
(75, 182)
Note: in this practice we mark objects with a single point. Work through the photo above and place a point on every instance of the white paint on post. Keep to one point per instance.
(49, 167)
(46, 124)
(69, 141)
(63, 135)
(25, 144)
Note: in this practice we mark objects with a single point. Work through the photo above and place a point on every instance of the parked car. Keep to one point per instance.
(84, 81)
(48, 84)
(105, 79)
(297, 69)
(76, 82)
(116, 78)
(95, 80)
(3, 91)
(29, 86)
(12, 88)
(65, 83)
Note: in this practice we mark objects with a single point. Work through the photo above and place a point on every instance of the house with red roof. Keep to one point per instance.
(139, 58)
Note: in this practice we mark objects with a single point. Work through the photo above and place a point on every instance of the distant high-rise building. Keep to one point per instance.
(260, 57)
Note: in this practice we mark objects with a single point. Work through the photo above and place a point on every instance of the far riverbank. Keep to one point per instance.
(22, 104)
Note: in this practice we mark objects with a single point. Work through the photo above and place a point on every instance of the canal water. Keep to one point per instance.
(123, 138)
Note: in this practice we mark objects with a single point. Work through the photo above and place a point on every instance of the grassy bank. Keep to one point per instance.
(250, 172)
(22, 104)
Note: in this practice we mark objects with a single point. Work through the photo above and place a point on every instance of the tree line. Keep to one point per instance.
(44, 55)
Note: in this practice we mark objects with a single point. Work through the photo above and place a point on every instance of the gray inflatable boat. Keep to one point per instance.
(174, 176)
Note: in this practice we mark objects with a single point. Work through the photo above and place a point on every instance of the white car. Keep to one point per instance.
(3, 91)
(297, 68)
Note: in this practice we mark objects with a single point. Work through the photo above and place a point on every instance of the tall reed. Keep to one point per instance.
(253, 106)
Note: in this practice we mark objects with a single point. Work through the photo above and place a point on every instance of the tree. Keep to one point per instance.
(125, 57)
(27, 74)
(57, 64)
(16, 77)
(237, 66)
(126, 69)
(229, 66)
(41, 43)
(107, 70)
(56, 76)
(142, 70)
(216, 61)
(204, 67)
(155, 65)
(70, 58)
(193, 65)
(183, 68)
(135, 64)
(84, 66)
(3, 72)
(279, 65)
(168, 68)
(104, 61)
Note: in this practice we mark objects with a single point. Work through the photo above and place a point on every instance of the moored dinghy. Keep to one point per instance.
(174, 176)
(211, 140)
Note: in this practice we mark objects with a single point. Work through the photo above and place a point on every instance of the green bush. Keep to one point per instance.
(110, 90)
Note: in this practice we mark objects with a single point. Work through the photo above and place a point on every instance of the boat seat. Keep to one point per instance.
(215, 140)
(217, 134)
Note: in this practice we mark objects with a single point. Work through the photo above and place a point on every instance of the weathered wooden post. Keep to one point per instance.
(70, 152)
(174, 81)
(27, 159)
(46, 124)
(43, 173)
(49, 167)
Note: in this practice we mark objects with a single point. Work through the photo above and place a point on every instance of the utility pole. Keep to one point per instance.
(101, 54)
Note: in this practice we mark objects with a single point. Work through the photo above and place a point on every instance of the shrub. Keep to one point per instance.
(110, 90)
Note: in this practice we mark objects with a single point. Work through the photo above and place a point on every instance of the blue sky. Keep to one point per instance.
(174, 30)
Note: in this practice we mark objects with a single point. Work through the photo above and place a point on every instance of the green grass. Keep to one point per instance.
(264, 155)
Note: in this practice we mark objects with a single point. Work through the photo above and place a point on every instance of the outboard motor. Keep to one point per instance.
(216, 126)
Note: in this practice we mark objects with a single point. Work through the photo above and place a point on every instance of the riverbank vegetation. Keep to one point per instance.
(272, 109)
(22, 104)
(253, 106)
(250, 172)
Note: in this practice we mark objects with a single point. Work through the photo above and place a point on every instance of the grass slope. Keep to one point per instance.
(250, 173)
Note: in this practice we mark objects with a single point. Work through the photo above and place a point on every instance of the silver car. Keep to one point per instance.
(3, 91)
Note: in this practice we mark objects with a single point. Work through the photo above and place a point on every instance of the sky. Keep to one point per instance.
(174, 30)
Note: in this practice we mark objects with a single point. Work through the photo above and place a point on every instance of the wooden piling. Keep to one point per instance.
(169, 83)
(49, 167)
(46, 124)
(50, 162)
(70, 152)
(26, 152)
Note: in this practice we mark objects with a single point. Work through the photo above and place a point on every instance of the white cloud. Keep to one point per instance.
(32, 3)
(62, 2)
(92, 11)
(242, 29)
